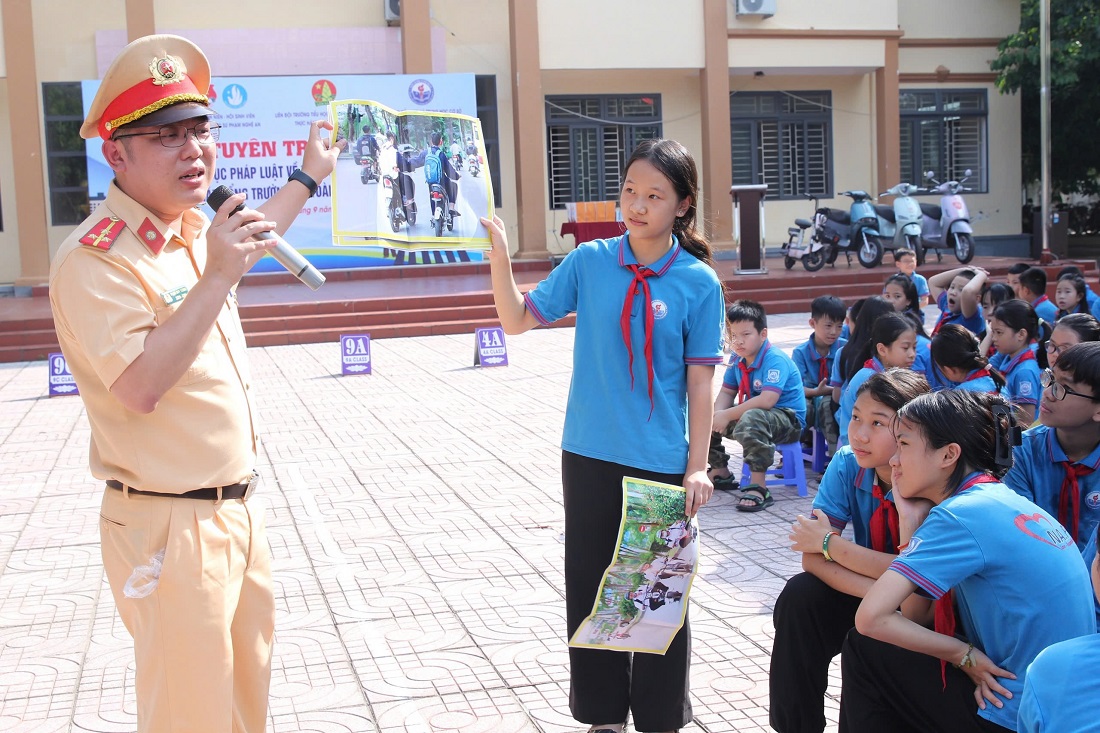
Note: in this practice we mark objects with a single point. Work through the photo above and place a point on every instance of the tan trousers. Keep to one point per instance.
(203, 633)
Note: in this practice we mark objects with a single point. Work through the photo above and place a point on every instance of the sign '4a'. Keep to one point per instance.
(355, 354)
(489, 347)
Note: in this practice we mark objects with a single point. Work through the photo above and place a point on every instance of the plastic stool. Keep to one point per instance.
(793, 472)
(818, 456)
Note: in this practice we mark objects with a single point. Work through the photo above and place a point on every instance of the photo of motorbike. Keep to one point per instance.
(947, 226)
(474, 166)
(441, 208)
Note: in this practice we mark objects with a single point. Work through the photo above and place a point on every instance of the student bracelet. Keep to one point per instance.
(303, 178)
(967, 660)
(825, 545)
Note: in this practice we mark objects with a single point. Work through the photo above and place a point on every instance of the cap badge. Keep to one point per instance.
(167, 70)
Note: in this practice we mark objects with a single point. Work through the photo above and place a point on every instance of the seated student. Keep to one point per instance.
(957, 293)
(905, 260)
(1060, 686)
(817, 607)
(1013, 277)
(1056, 464)
(814, 359)
(900, 291)
(851, 357)
(1091, 297)
(893, 344)
(1015, 328)
(850, 321)
(1015, 574)
(993, 294)
(1070, 295)
(761, 404)
(1076, 328)
(1033, 289)
(956, 353)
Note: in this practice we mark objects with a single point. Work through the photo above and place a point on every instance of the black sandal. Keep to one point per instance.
(725, 483)
(760, 497)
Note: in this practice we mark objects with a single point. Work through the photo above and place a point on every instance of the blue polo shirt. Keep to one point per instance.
(1021, 373)
(835, 379)
(1017, 576)
(773, 371)
(1060, 688)
(606, 417)
(846, 495)
(1037, 474)
(921, 282)
(1045, 309)
(848, 398)
(922, 364)
(975, 324)
(812, 366)
(974, 383)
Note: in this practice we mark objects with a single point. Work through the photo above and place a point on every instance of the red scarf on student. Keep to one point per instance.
(1069, 498)
(639, 284)
(873, 363)
(944, 315)
(744, 387)
(884, 523)
(945, 620)
(978, 374)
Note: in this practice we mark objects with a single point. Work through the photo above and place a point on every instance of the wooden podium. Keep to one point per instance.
(748, 228)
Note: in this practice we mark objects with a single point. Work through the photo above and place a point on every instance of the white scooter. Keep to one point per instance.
(947, 226)
(803, 245)
(902, 221)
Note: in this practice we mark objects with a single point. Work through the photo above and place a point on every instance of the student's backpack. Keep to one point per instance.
(433, 167)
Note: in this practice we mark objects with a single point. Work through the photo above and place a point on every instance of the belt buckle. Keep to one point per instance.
(253, 482)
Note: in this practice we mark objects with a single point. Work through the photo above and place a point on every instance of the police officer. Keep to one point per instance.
(145, 312)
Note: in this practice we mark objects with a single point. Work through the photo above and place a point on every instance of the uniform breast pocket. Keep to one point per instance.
(206, 361)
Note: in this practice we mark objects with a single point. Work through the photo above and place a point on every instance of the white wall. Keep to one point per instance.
(826, 15)
(957, 18)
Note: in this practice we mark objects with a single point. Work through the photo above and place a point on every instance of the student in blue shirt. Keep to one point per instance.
(1091, 297)
(1015, 329)
(640, 406)
(967, 539)
(818, 606)
(1070, 296)
(761, 403)
(1056, 464)
(956, 353)
(905, 260)
(1076, 328)
(1033, 289)
(993, 294)
(893, 345)
(815, 358)
(858, 349)
(1060, 686)
(958, 295)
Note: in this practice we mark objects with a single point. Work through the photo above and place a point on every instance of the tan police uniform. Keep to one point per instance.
(191, 576)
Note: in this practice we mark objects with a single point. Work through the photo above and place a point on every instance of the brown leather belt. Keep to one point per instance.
(233, 491)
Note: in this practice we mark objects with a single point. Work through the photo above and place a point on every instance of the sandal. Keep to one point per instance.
(725, 483)
(759, 497)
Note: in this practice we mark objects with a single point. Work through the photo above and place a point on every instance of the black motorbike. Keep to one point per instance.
(441, 208)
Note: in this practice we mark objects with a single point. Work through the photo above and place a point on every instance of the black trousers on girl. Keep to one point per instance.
(811, 622)
(603, 684)
(887, 688)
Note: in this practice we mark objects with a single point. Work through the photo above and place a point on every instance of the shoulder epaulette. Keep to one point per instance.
(103, 234)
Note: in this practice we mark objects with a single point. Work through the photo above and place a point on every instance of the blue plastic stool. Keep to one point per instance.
(818, 456)
(793, 472)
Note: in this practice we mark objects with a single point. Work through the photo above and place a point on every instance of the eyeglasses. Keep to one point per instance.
(1059, 391)
(175, 136)
(1053, 348)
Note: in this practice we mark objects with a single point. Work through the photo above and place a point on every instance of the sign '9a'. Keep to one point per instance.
(355, 354)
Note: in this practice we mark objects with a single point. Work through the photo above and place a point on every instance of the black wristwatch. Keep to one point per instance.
(303, 178)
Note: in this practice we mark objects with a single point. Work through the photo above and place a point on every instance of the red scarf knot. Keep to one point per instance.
(1069, 498)
(639, 285)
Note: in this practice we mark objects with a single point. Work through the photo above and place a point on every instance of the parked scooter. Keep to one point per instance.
(802, 246)
(855, 230)
(901, 223)
(947, 226)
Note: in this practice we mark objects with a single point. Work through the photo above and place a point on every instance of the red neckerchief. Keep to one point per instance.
(884, 521)
(873, 363)
(1040, 300)
(1070, 496)
(744, 387)
(639, 283)
(978, 374)
(945, 620)
(1025, 354)
(822, 366)
(944, 316)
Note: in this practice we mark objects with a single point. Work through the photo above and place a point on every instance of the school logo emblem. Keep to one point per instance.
(773, 375)
(660, 310)
(1093, 500)
(421, 91)
(1025, 388)
(323, 91)
(234, 96)
(756, 385)
(913, 544)
(1042, 528)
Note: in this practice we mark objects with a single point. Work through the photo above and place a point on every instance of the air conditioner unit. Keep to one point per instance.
(393, 12)
(759, 8)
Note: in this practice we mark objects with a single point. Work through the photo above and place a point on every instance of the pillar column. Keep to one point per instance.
(888, 119)
(714, 161)
(416, 36)
(528, 123)
(140, 19)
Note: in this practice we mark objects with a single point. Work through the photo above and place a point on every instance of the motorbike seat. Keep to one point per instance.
(886, 212)
(803, 223)
(932, 210)
(840, 216)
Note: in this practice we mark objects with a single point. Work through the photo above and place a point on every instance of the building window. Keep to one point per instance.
(66, 163)
(944, 131)
(486, 88)
(784, 140)
(590, 139)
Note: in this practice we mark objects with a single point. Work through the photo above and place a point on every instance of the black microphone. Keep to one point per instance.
(288, 257)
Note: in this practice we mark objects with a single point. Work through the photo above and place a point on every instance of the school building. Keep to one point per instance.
(805, 96)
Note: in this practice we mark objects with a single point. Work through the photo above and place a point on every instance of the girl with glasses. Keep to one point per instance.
(1012, 574)
(1073, 329)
